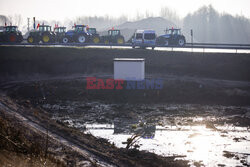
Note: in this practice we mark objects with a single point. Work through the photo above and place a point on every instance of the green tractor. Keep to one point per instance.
(59, 34)
(114, 36)
(95, 37)
(11, 34)
(43, 34)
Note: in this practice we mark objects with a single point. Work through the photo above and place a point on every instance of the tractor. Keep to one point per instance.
(59, 34)
(95, 37)
(11, 34)
(114, 36)
(79, 34)
(43, 34)
(173, 37)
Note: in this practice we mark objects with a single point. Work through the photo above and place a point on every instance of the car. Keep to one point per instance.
(78, 34)
(11, 34)
(173, 37)
(144, 38)
(44, 34)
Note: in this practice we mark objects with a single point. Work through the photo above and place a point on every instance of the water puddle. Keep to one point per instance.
(228, 146)
(210, 135)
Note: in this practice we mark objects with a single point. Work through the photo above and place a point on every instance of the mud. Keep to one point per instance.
(69, 104)
(205, 98)
(81, 150)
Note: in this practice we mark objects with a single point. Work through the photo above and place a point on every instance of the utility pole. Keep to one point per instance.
(192, 36)
(34, 25)
(28, 24)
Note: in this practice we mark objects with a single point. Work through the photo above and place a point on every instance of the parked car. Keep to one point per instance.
(144, 38)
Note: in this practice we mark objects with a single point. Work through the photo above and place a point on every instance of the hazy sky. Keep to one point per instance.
(61, 9)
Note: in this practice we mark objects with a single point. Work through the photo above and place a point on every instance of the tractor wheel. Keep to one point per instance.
(46, 38)
(106, 41)
(181, 42)
(12, 38)
(96, 40)
(31, 39)
(81, 39)
(20, 39)
(65, 40)
(120, 40)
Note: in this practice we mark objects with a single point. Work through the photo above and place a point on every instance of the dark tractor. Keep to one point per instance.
(95, 37)
(79, 34)
(59, 34)
(11, 34)
(173, 37)
(114, 36)
(43, 34)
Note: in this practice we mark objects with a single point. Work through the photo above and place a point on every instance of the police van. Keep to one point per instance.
(144, 38)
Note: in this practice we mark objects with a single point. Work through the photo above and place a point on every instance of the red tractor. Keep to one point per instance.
(11, 34)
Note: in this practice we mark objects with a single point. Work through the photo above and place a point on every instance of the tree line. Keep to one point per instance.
(207, 24)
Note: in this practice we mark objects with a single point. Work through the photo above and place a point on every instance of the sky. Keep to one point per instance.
(62, 9)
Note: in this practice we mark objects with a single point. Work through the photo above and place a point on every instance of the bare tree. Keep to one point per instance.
(170, 15)
(3, 20)
(210, 26)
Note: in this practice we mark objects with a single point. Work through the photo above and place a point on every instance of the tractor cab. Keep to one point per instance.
(92, 31)
(173, 31)
(44, 28)
(59, 30)
(114, 32)
(10, 29)
(80, 28)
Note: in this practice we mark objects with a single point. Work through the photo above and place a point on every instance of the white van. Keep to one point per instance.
(144, 38)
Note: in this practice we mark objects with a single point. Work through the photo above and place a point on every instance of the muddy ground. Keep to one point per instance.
(48, 86)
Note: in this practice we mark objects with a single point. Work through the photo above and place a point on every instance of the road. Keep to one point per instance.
(189, 47)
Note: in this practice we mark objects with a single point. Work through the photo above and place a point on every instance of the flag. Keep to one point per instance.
(5, 24)
(37, 26)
